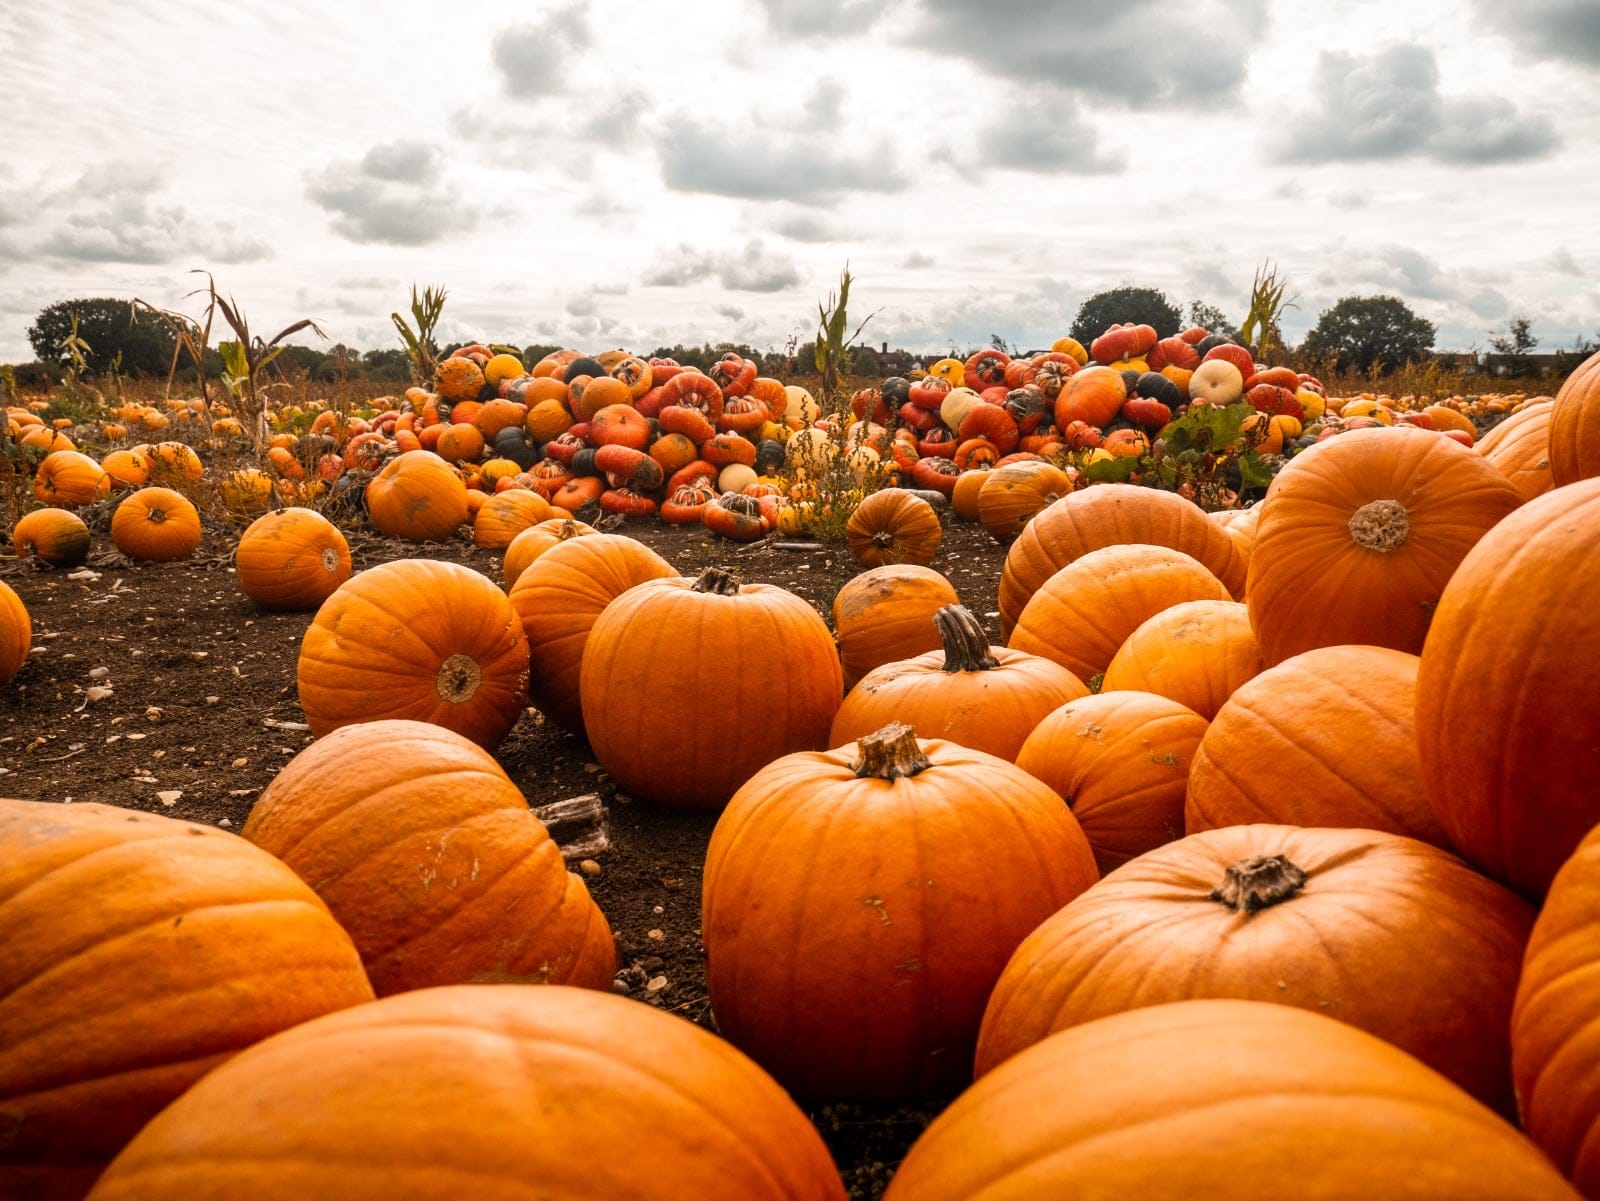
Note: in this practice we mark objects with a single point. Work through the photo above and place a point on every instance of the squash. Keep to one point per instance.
(1575, 425)
(155, 525)
(291, 559)
(417, 497)
(1196, 653)
(886, 614)
(58, 537)
(892, 526)
(16, 633)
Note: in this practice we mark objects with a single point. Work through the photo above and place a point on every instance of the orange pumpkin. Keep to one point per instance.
(1196, 653)
(428, 855)
(417, 497)
(505, 515)
(16, 632)
(893, 525)
(291, 559)
(886, 614)
(57, 537)
(1575, 425)
(174, 463)
(67, 477)
(1520, 448)
(1010, 496)
(126, 469)
(416, 639)
(154, 525)
(535, 540)
(140, 953)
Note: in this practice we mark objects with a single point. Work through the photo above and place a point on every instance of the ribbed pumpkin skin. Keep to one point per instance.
(1109, 515)
(428, 855)
(16, 632)
(1218, 1101)
(886, 614)
(69, 477)
(1519, 447)
(1312, 584)
(1083, 614)
(1196, 653)
(893, 525)
(1574, 434)
(1555, 1041)
(138, 953)
(1121, 762)
(501, 1094)
(1012, 495)
(291, 559)
(416, 639)
(417, 496)
(56, 536)
(156, 525)
(557, 599)
(507, 514)
(764, 656)
(535, 540)
(1374, 907)
(1508, 711)
(854, 927)
(1326, 738)
(992, 710)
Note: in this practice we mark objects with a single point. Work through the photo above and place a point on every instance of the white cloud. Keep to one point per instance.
(752, 268)
(397, 193)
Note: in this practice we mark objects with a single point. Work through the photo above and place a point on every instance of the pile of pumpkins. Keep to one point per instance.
(1244, 864)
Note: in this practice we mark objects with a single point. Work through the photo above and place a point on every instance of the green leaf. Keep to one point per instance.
(1253, 473)
(1111, 471)
(1206, 428)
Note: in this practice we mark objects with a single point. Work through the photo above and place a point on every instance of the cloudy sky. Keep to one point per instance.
(629, 174)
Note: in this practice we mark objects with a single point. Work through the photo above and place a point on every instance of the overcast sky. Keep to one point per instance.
(631, 174)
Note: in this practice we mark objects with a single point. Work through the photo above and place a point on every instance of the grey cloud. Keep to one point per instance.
(756, 164)
(752, 268)
(372, 201)
(1561, 29)
(798, 224)
(1561, 261)
(822, 18)
(731, 311)
(1046, 138)
(918, 259)
(532, 58)
(1388, 106)
(1141, 53)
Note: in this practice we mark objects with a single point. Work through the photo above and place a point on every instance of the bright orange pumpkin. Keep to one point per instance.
(291, 559)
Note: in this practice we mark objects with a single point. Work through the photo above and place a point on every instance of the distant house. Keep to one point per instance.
(1522, 364)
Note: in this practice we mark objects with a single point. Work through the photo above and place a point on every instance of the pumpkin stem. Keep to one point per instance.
(890, 754)
(1380, 525)
(966, 646)
(1259, 883)
(719, 580)
(458, 679)
(568, 529)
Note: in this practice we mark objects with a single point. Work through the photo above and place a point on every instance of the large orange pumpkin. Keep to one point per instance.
(155, 525)
(1555, 1040)
(1335, 921)
(754, 651)
(1520, 448)
(495, 1092)
(557, 599)
(1010, 496)
(1574, 434)
(886, 614)
(859, 903)
(532, 542)
(1508, 706)
(427, 853)
(418, 639)
(1197, 653)
(69, 477)
(983, 697)
(57, 537)
(1325, 738)
(16, 632)
(138, 953)
(291, 559)
(417, 497)
(1108, 515)
(1359, 534)
(1121, 761)
(507, 514)
(1217, 1101)
(893, 525)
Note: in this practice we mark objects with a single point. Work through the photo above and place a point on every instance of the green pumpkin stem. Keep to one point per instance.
(1252, 885)
(719, 580)
(890, 754)
(966, 646)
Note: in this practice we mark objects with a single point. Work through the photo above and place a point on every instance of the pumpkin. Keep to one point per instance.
(459, 443)
(1121, 761)
(723, 647)
(865, 980)
(1214, 1101)
(16, 632)
(418, 639)
(140, 952)
(886, 614)
(245, 492)
(556, 1091)
(1574, 434)
(893, 526)
(1555, 1042)
(1083, 613)
(1107, 515)
(1520, 448)
(535, 540)
(507, 514)
(1508, 711)
(174, 463)
(126, 469)
(1094, 395)
(1325, 738)
(57, 537)
(1010, 496)
(964, 494)
(458, 378)
(68, 477)
(154, 525)
(983, 697)
(1196, 653)
(417, 497)
(557, 599)
(428, 855)
(291, 559)
(1332, 920)
(1359, 534)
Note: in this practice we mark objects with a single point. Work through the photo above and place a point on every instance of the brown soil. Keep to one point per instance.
(202, 711)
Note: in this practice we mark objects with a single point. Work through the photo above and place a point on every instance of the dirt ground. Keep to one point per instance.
(161, 687)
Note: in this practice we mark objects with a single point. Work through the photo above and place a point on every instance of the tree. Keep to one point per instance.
(1210, 317)
(1142, 306)
(110, 328)
(1518, 339)
(1362, 332)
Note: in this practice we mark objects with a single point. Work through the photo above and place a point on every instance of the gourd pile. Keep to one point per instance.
(1260, 856)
